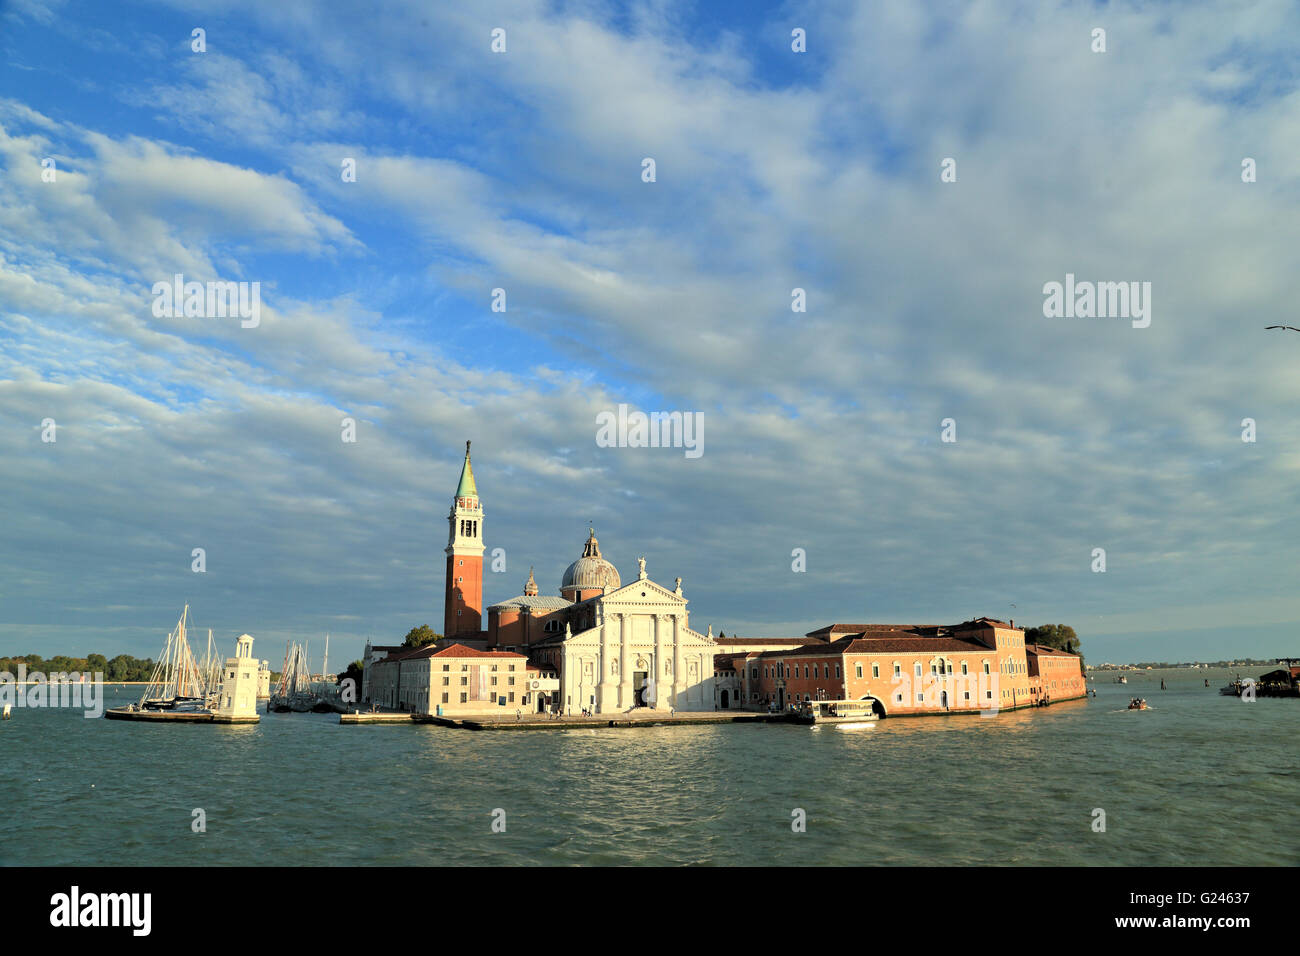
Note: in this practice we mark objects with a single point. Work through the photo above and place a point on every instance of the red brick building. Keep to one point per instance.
(1054, 674)
(979, 665)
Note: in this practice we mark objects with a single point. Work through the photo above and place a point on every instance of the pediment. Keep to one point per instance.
(631, 593)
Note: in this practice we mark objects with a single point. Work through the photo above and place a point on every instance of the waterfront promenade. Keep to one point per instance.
(545, 722)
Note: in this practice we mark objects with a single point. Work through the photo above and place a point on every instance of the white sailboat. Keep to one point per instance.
(177, 681)
(294, 691)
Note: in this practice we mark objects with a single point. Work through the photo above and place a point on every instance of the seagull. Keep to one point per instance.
(1291, 327)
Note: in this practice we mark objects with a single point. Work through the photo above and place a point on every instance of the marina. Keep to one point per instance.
(181, 690)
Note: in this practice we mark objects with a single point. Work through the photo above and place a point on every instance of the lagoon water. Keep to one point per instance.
(1198, 779)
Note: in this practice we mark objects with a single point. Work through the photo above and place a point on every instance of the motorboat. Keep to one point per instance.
(843, 713)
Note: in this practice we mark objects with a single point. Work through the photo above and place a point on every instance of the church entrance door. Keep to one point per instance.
(724, 700)
(638, 687)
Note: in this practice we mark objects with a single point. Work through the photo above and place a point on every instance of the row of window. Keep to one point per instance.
(464, 681)
(940, 667)
(464, 697)
(920, 698)
(786, 670)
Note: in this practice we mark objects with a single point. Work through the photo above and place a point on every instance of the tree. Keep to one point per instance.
(1059, 636)
(353, 672)
(420, 636)
(118, 668)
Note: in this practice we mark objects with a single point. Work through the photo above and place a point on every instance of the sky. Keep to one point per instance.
(774, 170)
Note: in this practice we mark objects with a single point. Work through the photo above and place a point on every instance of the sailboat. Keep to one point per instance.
(294, 691)
(326, 689)
(178, 682)
(183, 690)
(210, 668)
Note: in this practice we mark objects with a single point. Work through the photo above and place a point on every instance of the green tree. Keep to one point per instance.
(118, 668)
(1059, 636)
(354, 672)
(420, 636)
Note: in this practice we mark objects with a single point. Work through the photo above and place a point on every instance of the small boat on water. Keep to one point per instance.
(1233, 688)
(1137, 703)
(1121, 680)
(846, 714)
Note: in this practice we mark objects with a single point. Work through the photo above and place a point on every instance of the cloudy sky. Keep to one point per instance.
(774, 170)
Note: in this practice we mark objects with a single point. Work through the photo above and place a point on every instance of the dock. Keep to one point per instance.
(543, 722)
(178, 717)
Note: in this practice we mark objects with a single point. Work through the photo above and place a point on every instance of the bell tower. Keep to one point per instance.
(463, 606)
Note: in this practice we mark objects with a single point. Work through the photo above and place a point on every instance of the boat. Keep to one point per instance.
(843, 713)
(1137, 703)
(180, 689)
(177, 682)
(295, 692)
(1121, 680)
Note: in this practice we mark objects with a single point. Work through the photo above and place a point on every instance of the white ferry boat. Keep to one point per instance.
(843, 713)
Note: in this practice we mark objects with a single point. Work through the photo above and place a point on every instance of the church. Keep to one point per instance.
(612, 646)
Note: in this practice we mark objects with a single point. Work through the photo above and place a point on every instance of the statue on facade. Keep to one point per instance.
(640, 562)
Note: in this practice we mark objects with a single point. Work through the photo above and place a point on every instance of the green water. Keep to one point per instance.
(1197, 779)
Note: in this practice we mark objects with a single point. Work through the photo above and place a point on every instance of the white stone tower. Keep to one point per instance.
(238, 701)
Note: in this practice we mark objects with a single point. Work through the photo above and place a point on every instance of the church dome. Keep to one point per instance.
(591, 570)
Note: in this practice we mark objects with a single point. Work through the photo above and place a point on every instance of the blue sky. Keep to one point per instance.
(775, 170)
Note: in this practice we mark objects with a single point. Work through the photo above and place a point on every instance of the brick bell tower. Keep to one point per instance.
(463, 607)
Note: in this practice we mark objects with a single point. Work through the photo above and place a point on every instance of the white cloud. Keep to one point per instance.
(924, 302)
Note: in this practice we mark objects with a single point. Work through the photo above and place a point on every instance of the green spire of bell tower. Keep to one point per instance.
(467, 488)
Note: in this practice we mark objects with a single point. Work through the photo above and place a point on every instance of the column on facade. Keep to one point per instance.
(661, 688)
(625, 662)
(678, 684)
(606, 696)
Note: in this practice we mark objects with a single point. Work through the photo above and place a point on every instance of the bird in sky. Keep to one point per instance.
(1291, 327)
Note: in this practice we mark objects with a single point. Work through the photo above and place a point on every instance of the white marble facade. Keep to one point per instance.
(641, 652)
